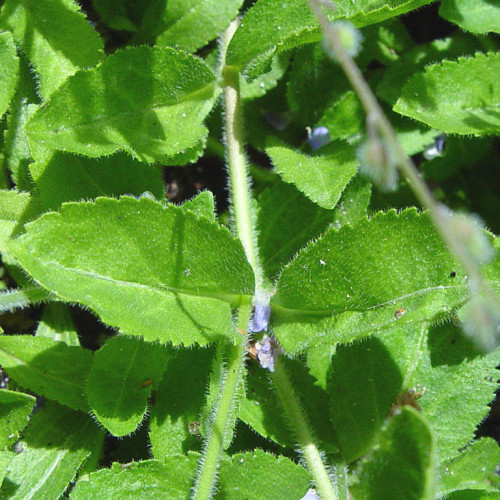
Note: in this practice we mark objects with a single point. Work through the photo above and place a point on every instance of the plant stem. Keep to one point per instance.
(222, 414)
(239, 180)
(298, 421)
(406, 165)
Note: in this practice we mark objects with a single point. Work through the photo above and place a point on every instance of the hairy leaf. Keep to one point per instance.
(151, 270)
(190, 24)
(351, 282)
(477, 16)
(174, 418)
(57, 324)
(47, 367)
(63, 177)
(55, 445)
(434, 97)
(475, 468)
(153, 114)
(402, 464)
(171, 479)
(9, 70)
(55, 36)
(261, 475)
(123, 374)
(321, 178)
(202, 204)
(15, 409)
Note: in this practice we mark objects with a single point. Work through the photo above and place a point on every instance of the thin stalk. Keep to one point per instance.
(222, 414)
(405, 164)
(304, 437)
(239, 181)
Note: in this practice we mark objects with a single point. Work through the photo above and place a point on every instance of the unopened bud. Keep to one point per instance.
(468, 230)
(481, 321)
(318, 137)
(377, 162)
(350, 39)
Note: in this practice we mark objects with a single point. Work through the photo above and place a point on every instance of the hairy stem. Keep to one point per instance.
(304, 437)
(406, 165)
(239, 181)
(222, 414)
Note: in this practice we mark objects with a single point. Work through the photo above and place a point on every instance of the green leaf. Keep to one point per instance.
(360, 400)
(351, 282)
(262, 410)
(191, 24)
(57, 324)
(473, 495)
(47, 367)
(5, 458)
(273, 26)
(123, 374)
(63, 177)
(9, 71)
(20, 298)
(459, 382)
(434, 98)
(261, 475)
(153, 114)
(176, 273)
(475, 468)
(16, 143)
(15, 409)
(321, 178)
(477, 16)
(174, 418)
(54, 446)
(397, 74)
(171, 479)
(365, 12)
(287, 221)
(203, 204)
(13, 205)
(55, 36)
(401, 467)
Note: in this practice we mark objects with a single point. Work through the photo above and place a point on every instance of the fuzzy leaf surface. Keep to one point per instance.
(172, 412)
(261, 475)
(475, 468)
(47, 367)
(9, 70)
(350, 282)
(141, 266)
(435, 98)
(56, 37)
(459, 384)
(321, 178)
(191, 24)
(57, 324)
(476, 16)
(123, 374)
(55, 445)
(272, 26)
(262, 409)
(402, 465)
(15, 409)
(202, 204)
(64, 177)
(171, 480)
(153, 114)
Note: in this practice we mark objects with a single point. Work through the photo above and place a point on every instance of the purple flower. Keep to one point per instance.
(266, 353)
(318, 137)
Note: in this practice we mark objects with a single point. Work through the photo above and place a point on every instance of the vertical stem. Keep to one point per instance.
(303, 435)
(239, 180)
(222, 415)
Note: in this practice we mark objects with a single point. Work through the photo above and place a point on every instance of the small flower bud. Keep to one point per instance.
(481, 321)
(267, 353)
(261, 312)
(468, 230)
(377, 162)
(350, 39)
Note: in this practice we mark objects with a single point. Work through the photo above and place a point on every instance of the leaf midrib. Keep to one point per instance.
(226, 297)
